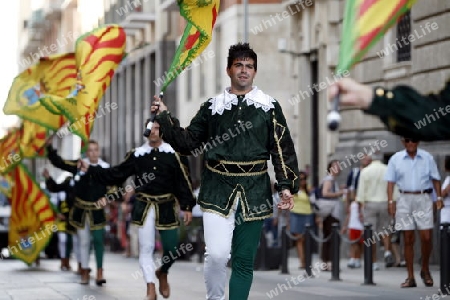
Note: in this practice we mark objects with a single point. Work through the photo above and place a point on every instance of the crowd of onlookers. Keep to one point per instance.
(396, 198)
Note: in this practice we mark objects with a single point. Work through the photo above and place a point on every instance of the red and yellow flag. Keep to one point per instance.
(33, 91)
(98, 54)
(32, 140)
(10, 151)
(365, 22)
(32, 217)
(200, 16)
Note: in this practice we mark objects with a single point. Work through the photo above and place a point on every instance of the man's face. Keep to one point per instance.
(154, 134)
(410, 144)
(366, 160)
(93, 152)
(242, 72)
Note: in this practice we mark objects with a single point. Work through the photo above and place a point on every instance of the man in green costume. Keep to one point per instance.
(87, 217)
(402, 109)
(161, 178)
(238, 131)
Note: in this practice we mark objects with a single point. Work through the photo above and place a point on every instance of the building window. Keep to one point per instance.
(403, 32)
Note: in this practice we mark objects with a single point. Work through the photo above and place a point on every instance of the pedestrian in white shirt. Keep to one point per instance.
(372, 194)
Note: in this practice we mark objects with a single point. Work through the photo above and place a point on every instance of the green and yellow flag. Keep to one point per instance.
(6, 185)
(200, 16)
(34, 90)
(32, 221)
(365, 22)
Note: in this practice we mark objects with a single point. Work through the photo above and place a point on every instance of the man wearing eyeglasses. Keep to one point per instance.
(415, 173)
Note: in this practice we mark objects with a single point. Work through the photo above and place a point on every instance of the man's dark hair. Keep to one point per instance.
(93, 142)
(241, 50)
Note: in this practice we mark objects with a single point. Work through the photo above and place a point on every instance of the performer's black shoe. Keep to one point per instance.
(100, 280)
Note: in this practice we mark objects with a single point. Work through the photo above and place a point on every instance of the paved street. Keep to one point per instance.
(17, 281)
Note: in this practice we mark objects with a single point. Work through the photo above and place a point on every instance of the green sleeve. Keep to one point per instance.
(282, 152)
(183, 191)
(184, 140)
(408, 113)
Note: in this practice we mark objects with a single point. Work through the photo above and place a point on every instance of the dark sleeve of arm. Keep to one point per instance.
(184, 192)
(58, 162)
(408, 113)
(349, 179)
(114, 175)
(54, 187)
(283, 154)
(184, 140)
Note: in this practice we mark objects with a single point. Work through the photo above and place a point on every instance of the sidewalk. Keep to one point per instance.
(124, 282)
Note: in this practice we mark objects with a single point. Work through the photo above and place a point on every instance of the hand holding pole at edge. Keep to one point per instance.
(347, 92)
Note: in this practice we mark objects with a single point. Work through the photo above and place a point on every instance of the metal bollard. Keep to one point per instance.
(200, 248)
(368, 267)
(284, 251)
(335, 244)
(263, 251)
(308, 250)
(445, 261)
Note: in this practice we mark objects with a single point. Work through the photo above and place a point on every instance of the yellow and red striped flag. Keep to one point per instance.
(32, 217)
(98, 54)
(365, 22)
(201, 16)
(32, 140)
(10, 151)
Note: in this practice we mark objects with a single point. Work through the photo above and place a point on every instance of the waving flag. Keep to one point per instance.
(6, 185)
(365, 22)
(60, 77)
(33, 91)
(98, 53)
(32, 217)
(200, 16)
(10, 151)
(32, 140)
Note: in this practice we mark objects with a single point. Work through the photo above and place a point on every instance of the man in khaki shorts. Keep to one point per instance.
(415, 173)
(372, 194)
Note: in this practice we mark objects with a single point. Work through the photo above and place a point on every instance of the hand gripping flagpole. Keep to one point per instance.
(148, 129)
(333, 117)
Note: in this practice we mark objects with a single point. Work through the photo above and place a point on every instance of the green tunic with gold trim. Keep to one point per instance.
(87, 193)
(237, 136)
(408, 113)
(161, 176)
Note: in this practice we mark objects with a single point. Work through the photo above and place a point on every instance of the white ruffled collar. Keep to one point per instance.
(255, 97)
(100, 163)
(146, 148)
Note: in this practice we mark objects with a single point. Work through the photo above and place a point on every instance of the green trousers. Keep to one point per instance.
(169, 239)
(98, 241)
(244, 246)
